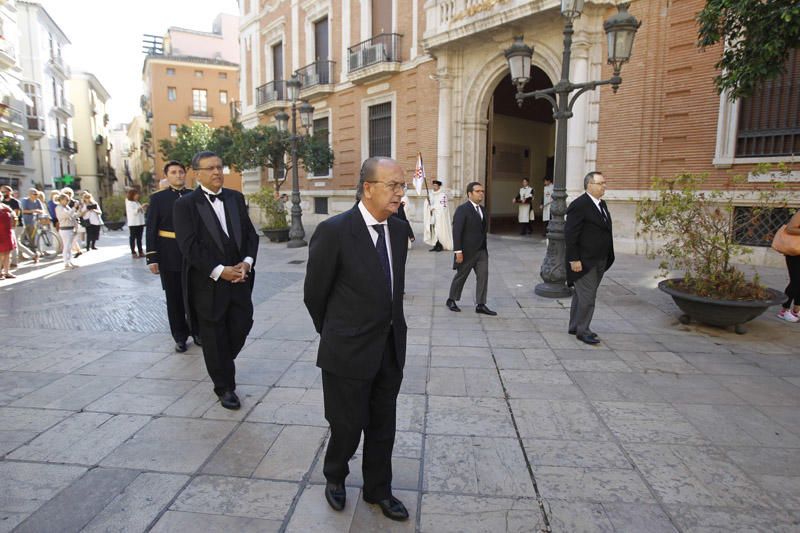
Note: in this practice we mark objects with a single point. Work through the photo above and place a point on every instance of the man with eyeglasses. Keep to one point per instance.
(589, 253)
(219, 246)
(469, 240)
(355, 279)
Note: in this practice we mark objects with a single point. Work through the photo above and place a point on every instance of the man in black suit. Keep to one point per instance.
(354, 293)
(163, 255)
(589, 253)
(219, 246)
(469, 242)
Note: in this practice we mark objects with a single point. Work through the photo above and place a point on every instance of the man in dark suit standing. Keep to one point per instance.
(589, 252)
(163, 255)
(469, 242)
(354, 293)
(219, 246)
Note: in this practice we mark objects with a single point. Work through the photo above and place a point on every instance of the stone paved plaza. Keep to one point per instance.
(504, 423)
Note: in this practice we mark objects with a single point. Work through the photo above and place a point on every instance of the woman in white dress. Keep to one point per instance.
(524, 201)
(547, 199)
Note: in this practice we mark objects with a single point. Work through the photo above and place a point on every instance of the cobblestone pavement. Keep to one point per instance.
(504, 423)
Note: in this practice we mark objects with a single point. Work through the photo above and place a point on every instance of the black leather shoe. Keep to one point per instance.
(588, 339)
(451, 305)
(336, 495)
(482, 309)
(180, 346)
(196, 341)
(392, 508)
(229, 400)
(572, 331)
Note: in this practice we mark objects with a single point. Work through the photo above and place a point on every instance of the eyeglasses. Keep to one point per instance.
(601, 183)
(211, 169)
(394, 185)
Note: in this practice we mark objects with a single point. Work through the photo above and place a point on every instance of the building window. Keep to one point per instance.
(170, 71)
(223, 75)
(322, 131)
(757, 227)
(173, 130)
(198, 73)
(172, 94)
(320, 206)
(199, 99)
(223, 97)
(380, 130)
(769, 120)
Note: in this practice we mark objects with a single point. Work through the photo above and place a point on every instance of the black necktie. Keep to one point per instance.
(604, 211)
(213, 197)
(383, 255)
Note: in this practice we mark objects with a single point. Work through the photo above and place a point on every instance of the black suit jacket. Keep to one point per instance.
(588, 236)
(469, 230)
(345, 294)
(200, 239)
(163, 250)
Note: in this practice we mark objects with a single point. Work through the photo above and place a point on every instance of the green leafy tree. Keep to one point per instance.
(190, 140)
(757, 34)
(146, 177)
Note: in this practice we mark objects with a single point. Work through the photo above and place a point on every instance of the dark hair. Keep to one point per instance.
(471, 186)
(589, 177)
(548, 178)
(199, 156)
(367, 172)
(173, 163)
(131, 194)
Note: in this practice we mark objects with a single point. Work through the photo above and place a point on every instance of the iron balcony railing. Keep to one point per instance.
(317, 73)
(271, 92)
(13, 116)
(35, 124)
(379, 49)
(7, 48)
(68, 145)
(203, 113)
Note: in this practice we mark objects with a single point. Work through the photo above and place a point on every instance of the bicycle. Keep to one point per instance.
(47, 241)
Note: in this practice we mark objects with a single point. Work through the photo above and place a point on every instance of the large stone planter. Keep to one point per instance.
(722, 313)
(115, 226)
(276, 235)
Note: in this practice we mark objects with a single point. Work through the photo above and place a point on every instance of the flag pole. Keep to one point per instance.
(427, 192)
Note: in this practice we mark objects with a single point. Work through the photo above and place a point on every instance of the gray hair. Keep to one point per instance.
(367, 173)
(199, 156)
(588, 178)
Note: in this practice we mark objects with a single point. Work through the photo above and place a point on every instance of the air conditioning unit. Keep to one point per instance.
(374, 54)
(355, 60)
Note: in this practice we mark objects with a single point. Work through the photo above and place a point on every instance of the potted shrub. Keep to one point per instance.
(114, 211)
(695, 230)
(273, 214)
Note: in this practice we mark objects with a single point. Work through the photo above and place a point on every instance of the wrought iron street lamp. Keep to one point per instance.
(296, 231)
(620, 30)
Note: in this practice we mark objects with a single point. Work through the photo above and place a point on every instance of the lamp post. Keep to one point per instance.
(296, 231)
(620, 30)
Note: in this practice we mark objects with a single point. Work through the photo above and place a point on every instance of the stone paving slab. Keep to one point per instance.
(504, 423)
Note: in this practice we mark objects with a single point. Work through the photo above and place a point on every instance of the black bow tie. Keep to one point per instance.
(213, 197)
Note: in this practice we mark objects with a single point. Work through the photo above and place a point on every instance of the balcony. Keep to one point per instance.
(35, 127)
(272, 95)
(316, 79)
(373, 58)
(58, 64)
(12, 118)
(69, 146)
(65, 108)
(200, 115)
(8, 54)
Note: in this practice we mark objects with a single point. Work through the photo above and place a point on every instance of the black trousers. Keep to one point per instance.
(368, 405)
(176, 312)
(92, 235)
(223, 339)
(793, 289)
(135, 238)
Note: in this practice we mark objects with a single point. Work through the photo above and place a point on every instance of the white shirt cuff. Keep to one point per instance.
(458, 252)
(217, 272)
(249, 261)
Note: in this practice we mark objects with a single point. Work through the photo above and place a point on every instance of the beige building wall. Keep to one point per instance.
(140, 154)
(90, 132)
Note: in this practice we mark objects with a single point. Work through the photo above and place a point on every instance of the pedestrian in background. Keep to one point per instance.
(80, 231)
(13, 203)
(31, 208)
(91, 212)
(788, 312)
(67, 222)
(524, 203)
(134, 212)
(52, 203)
(8, 241)
(547, 201)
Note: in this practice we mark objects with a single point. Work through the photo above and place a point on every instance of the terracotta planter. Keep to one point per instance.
(722, 313)
(276, 235)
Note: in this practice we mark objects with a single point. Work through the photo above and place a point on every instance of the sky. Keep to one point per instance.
(106, 37)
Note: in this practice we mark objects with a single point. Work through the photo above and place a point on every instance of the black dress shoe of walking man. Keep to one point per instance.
(196, 340)
(482, 309)
(336, 495)
(391, 508)
(588, 339)
(180, 346)
(229, 400)
(451, 305)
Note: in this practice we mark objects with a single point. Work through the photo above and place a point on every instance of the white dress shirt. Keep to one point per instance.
(370, 221)
(219, 209)
(597, 204)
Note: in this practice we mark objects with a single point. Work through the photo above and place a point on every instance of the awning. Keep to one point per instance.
(10, 87)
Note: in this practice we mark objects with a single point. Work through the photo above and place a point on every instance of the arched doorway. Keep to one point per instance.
(520, 144)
